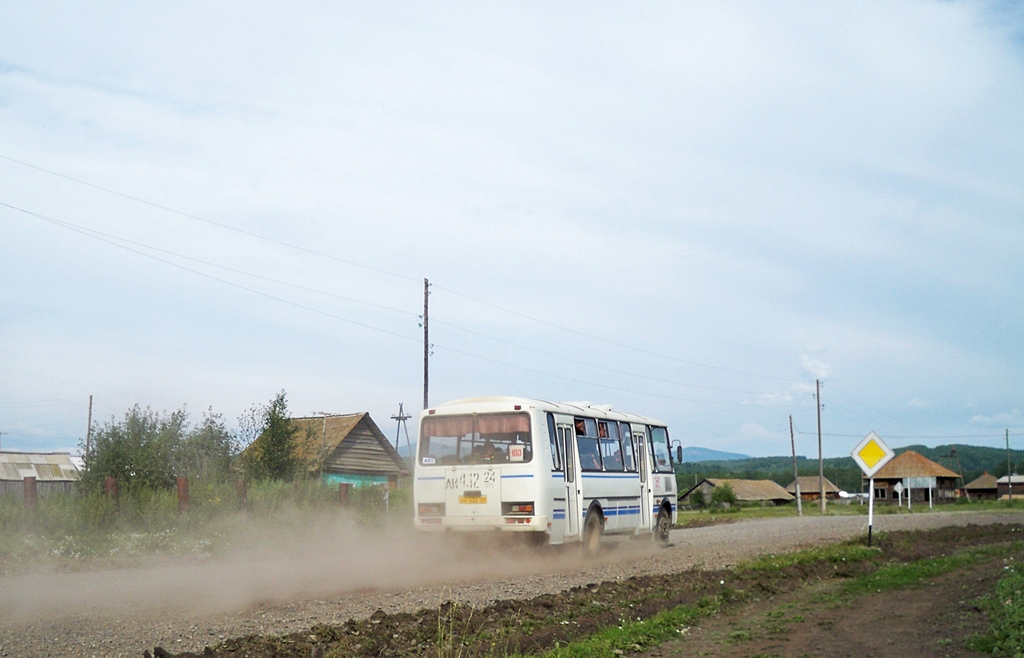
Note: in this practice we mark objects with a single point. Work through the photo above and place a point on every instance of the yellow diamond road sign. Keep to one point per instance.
(871, 454)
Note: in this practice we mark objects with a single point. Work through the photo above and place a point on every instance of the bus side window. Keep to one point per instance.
(587, 444)
(611, 447)
(627, 447)
(556, 455)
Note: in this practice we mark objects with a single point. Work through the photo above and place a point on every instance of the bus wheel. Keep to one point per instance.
(592, 529)
(661, 531)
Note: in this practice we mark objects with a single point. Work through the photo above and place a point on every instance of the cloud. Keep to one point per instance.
(753, 431)
(774, 398)
(818, 369)
(1005, 419)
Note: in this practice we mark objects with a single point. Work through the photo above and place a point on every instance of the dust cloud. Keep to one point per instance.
(298, 556)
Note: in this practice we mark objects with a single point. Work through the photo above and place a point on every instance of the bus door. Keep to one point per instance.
(573, 485)
(644, 463)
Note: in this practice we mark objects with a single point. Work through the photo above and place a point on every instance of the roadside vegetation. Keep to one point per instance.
(145, 452)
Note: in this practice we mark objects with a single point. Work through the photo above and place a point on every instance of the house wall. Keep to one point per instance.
(17, 487)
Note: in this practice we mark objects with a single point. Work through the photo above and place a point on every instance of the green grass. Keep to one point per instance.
(812, 509)
(632, 636)
(1005, 610)
(845, 552)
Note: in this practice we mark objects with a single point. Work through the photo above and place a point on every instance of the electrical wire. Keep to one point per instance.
(389, 273)
(114, 242)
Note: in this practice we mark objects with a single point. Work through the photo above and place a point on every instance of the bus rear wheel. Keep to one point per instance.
(661, 531)
(592, 529)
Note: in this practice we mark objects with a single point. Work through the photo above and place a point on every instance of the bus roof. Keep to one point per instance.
(496, 404)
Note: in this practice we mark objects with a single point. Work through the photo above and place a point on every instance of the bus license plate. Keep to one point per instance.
(473, 500)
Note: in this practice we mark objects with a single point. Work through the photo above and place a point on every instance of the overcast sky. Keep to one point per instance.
(687, 211)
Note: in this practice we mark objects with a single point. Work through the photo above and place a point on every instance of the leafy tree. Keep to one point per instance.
(137, 451)
(206, 451)
(271, 453)
(148, 450)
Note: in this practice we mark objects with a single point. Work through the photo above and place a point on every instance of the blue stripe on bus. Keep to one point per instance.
(558, 476)
(509, 477)
(439, 477)
(607, 476)
(558, 514)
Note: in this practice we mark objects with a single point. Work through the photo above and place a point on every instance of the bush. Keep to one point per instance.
(148, 450)
(723, 495)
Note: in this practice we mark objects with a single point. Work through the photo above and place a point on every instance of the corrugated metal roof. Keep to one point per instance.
(1016, 479)
(913, 465)
(983, 481)
(809, 484)
(750, 490)
(44, 466)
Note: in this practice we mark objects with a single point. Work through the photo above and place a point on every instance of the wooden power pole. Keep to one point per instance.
(426, 344)
(88, 430)
(821, 463)
(796, 474)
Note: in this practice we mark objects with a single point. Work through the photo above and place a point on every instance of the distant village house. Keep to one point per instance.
(764, 492)
(913, 474)
(810, 488)
(55, 472)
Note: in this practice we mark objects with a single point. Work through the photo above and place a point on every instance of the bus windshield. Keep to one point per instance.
(475, 439)
(660, 451)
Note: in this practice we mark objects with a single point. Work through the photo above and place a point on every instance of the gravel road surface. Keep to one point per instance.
(186, 606)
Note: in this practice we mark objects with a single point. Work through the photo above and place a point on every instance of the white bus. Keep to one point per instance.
(561, 472)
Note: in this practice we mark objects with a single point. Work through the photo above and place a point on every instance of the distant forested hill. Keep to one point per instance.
(843, 471)
(695, 454)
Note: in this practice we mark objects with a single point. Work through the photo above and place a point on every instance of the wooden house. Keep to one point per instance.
(1004, 483)
(348, 448)
(810, 488)
(55, 472)
(764, 492)
(984, 487)
(913, 474)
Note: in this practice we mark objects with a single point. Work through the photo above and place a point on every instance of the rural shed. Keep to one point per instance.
(54, 471)
(1004, 486)
(747, 491)
(810, 488)
(984, 487)
(354, 449)
(917, 473)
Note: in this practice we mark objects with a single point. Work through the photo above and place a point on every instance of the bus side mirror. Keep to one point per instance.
(679, 454)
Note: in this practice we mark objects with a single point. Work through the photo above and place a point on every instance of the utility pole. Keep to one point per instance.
(1, 438)
(88, 430)
(426, 343)
(821, 463)
(796, 474)
(401, 417)
(1009, 475)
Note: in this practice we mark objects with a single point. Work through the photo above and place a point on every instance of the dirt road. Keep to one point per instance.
(188, 605)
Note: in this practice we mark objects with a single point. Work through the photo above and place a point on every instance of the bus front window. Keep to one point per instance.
(660, 451)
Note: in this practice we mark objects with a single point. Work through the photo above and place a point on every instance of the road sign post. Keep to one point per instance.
(871, 454)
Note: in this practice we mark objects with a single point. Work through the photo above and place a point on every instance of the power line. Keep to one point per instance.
(113, 242)
(389, 273)
(615, 343)
(209, 221)
(93, 232)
